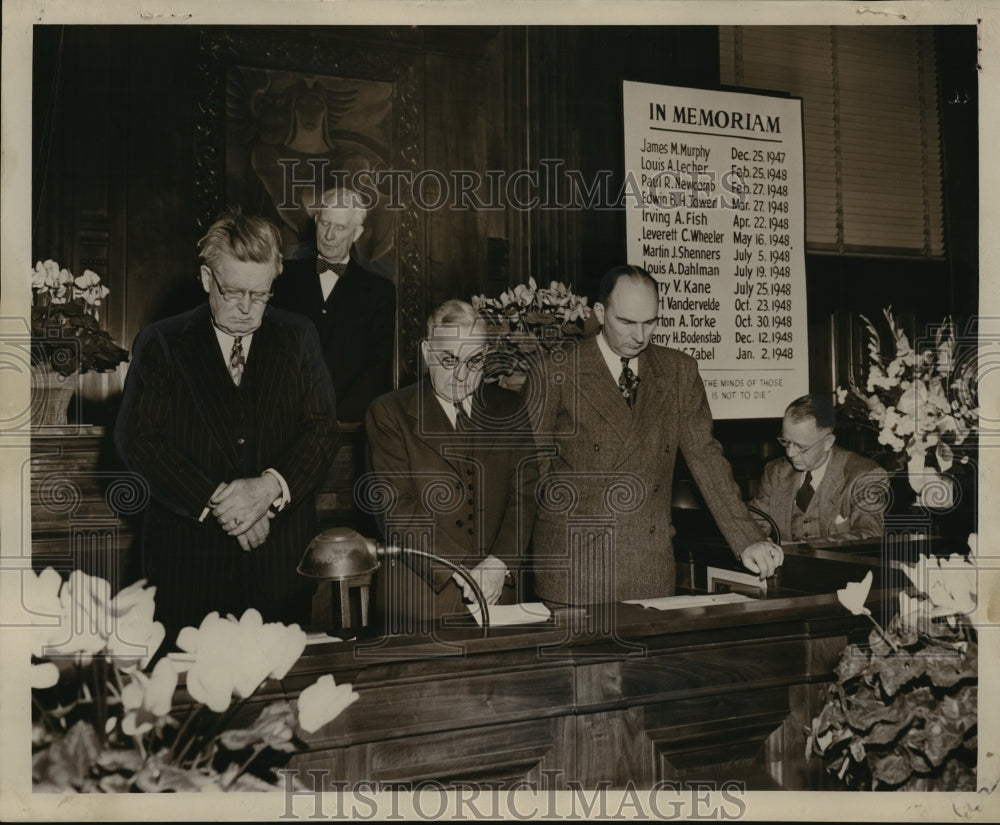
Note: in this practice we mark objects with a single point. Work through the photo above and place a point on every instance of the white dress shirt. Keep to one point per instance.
(614, 361)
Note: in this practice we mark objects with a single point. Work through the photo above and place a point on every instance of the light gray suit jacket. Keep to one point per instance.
(849, 503)
(603, 530)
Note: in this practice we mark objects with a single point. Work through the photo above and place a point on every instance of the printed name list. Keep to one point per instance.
(719, 221)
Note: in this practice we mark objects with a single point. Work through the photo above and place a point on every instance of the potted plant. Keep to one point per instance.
(103, 723)
(527, 322)
(902, 713)
(924, 407)
(66, 337)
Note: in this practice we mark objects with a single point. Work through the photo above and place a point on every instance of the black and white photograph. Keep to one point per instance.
(499, 411)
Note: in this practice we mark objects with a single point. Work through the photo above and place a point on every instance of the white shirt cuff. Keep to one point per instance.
(286, 496)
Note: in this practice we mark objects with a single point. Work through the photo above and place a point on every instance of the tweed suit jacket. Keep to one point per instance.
(471, 491)
(186, 427)
(356, 325)
(603, 530)
(849, 503)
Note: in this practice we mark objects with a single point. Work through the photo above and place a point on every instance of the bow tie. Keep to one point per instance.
(325, 266)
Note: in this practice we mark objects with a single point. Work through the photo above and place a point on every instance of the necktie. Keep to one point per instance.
(805, 493)
(237, 361)
(462, 420)
(628, 383)
(323, 265)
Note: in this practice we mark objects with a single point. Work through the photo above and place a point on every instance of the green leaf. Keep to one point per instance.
(853, 662)
(864, 710)
(66, 762)
(892, 769)
(158, 777)
(274, 727)
(897, 670)
(120, 760)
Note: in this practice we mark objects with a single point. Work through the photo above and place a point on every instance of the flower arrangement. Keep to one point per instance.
(65, 322)
(902, 713)
(528, 320)
(101, 723)
(923, 405)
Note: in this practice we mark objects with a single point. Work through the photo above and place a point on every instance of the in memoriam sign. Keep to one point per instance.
(718, 219)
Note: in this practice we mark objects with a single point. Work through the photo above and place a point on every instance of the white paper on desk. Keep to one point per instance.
(503, 614)
(672, 602)
(321, 638)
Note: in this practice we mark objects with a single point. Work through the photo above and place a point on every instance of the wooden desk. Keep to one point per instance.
(633, 695)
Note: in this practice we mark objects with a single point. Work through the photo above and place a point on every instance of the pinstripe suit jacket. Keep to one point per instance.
(603, 530)
(186, 427)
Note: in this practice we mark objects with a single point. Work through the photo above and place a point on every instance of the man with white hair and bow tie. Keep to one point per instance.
(353, 309)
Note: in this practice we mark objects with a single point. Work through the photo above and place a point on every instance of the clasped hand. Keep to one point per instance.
(241, 508)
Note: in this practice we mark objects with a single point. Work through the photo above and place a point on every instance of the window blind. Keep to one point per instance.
(871, 132)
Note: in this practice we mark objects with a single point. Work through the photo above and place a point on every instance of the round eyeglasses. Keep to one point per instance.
(790, 445)
(235, 296)
(451, 362)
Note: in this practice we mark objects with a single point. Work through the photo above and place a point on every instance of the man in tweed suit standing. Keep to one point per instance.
(229, 414)
(609, 420)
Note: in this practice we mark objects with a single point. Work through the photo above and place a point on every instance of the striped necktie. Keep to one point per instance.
(237, 361)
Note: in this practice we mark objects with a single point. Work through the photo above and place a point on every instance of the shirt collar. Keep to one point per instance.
(614, 361)
(226, 342)
(451, 412)
(818, 473)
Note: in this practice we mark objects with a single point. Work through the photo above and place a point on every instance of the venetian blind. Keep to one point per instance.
(870, 123)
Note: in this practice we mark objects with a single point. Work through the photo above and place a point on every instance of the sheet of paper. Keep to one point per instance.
(673, 602)
(506, 614)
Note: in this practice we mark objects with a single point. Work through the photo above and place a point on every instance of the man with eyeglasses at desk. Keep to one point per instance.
(229, 415)
(820, 490)
(457, 454)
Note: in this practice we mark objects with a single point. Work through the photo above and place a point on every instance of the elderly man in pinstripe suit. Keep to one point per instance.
(229, 414)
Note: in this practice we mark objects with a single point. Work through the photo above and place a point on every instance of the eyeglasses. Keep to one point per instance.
(452, 362)
(235, 296)
(788, 445)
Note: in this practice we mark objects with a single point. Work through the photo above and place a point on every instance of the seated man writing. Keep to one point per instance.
(820, 490)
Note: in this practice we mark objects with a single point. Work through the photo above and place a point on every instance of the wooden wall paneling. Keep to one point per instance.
(83, 508)
(455, 139)
(552, 150)
(515, 61)
(615, 750)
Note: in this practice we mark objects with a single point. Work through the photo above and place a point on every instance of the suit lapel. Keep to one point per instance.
(199, 359)
(430, 424)
(599, 390)
(832, 485)
(650, 399)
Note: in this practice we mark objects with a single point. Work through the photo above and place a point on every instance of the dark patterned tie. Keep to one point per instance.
(462, 420)
(323, 265)
(805, 493)
(628, 383)
(237, 361)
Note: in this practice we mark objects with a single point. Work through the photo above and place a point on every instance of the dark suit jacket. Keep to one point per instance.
(356, 324)
(186, 427)
(603, 531)
(470, 494)
(849, 503)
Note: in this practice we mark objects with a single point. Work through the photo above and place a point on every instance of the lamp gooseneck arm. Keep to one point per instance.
(458, 568)
(769, 520)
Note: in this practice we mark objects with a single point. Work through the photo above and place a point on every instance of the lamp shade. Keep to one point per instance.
(338, 553)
